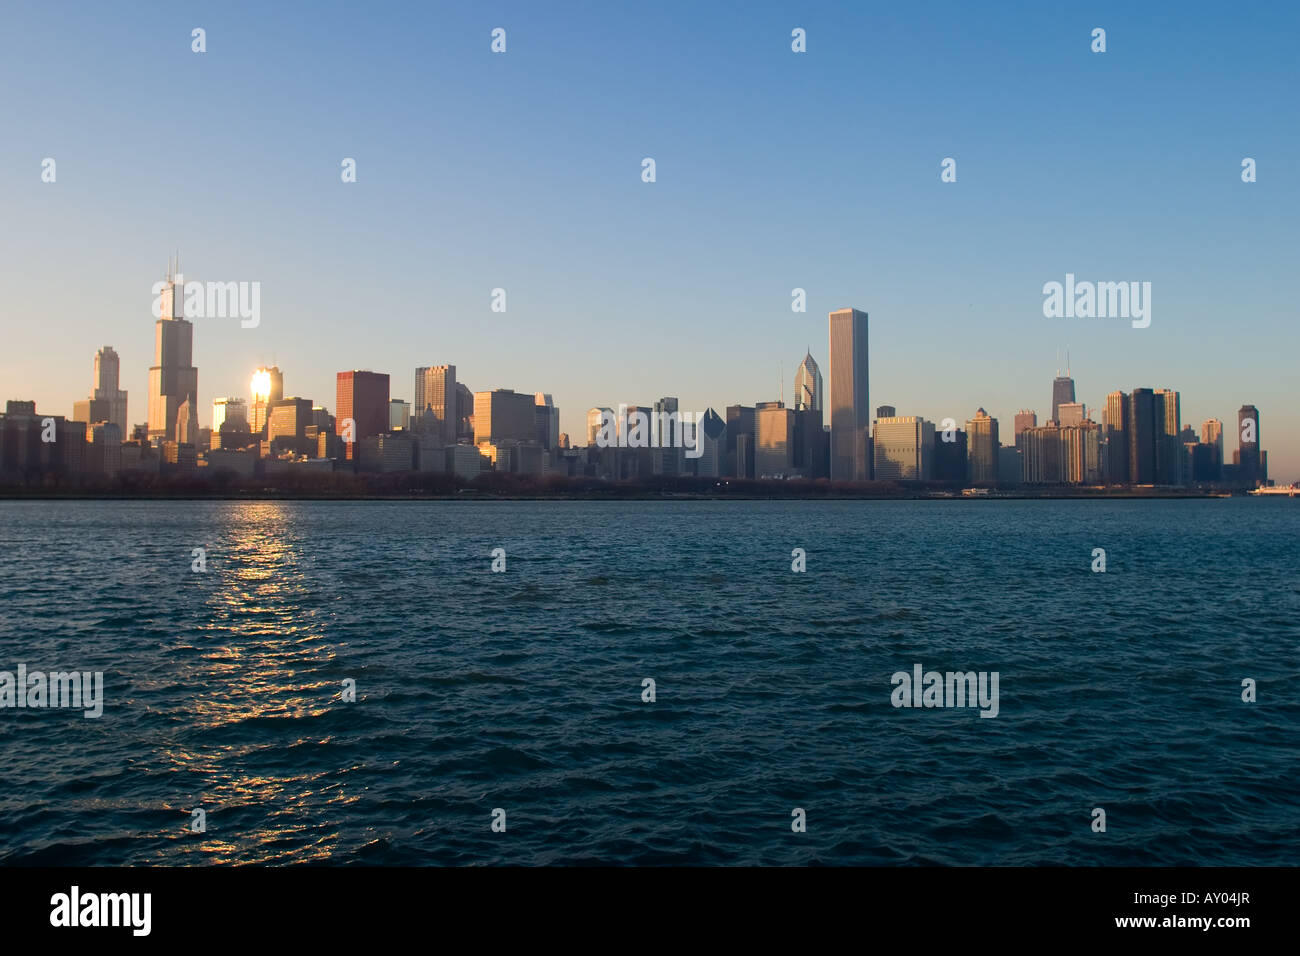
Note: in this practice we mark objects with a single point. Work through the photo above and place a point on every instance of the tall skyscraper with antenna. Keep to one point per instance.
(173, 378)
(1062, 388)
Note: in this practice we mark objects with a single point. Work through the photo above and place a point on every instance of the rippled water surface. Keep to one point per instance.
(522, 690)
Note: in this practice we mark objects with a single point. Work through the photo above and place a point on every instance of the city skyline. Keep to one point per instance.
(179, 348)
(398, 268)
(1141, 438)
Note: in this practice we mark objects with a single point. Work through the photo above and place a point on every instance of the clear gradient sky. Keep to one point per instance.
(775, 170)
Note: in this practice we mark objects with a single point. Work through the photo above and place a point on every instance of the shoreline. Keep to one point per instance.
(54, 495)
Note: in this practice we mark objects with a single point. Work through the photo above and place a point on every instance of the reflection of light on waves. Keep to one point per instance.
(259, 639)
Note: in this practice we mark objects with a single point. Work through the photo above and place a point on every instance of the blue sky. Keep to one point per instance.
(775, 170)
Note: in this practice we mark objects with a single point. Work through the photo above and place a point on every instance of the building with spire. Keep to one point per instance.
(808, 390)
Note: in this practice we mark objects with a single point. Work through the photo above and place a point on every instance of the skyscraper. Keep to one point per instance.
(504, 415)
(173, 377)
(903, 448)
(464, 417)
(712, 446)
(1081, 453)
(286, 426)
(949, 462)
(436, 407)
(1116, 438)
(1040, 462)
(361, 399)
(596, 416)
(1024, 419)
(267, 388)
(1247, 458)
(1062, 454)
(547, 420)
(1062, 391)
(669, 458)
(1142, 437)
(1169, 446)
(849, 404)
(808, 387)
(982, 447)
(187, 423)
(1071, 413)
(774, 445)
(228, 410)
(1212, 434)
(1212, 437)
(107, 366)
(810, 443)
(740, 441)
(399, 415)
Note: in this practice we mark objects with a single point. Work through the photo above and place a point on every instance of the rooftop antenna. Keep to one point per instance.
(1067, 361)
(1058, 361)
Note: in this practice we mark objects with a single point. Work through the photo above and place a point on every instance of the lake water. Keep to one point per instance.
(522, 690)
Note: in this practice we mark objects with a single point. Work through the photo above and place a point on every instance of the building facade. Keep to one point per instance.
(850, 408)
(173, 378)
(361, 402)
(903, 447)
(982, 448)
(504, 415)
(435, 408)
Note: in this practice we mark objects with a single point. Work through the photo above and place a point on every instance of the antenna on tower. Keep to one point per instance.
(1067, 361)
(1058, 361)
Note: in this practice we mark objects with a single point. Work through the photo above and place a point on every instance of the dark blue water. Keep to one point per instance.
(522, 690)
